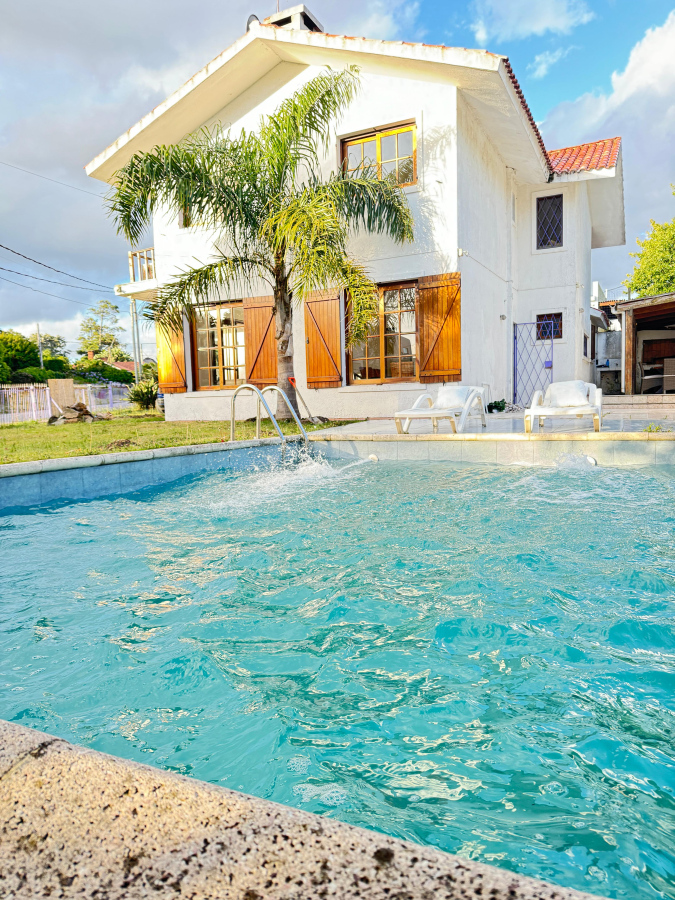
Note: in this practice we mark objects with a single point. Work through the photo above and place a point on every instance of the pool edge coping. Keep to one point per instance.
(153, 828)
(58, 464)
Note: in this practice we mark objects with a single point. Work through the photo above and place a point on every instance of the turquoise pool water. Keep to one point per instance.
(482, 659)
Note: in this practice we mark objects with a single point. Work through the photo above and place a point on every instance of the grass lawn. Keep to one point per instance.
(126, 430)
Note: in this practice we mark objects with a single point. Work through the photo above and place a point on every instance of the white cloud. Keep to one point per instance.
(508, 19)
(641, 109)
(540, 65)
(80, 75)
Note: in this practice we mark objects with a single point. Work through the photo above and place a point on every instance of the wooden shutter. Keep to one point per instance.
(322, 340)
(440, 323)
(261, 346)
(171, 362)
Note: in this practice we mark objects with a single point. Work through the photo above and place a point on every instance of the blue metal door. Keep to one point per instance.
(532, 360)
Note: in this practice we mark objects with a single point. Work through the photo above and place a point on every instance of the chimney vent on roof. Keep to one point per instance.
(251, 19)
(297, 18)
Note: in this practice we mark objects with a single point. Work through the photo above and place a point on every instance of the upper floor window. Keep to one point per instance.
(549, 222)
(393, 151)
(550, 325)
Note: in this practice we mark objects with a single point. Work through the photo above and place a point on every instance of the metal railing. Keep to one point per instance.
(142, 264)
(261, 399)
(24, 403)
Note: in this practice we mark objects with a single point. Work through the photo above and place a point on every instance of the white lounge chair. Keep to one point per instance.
(565, 399)
(454, 402)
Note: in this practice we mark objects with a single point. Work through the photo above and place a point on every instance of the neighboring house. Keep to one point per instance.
(503, 229)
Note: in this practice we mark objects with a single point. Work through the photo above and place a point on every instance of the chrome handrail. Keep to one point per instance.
(274, 387)
(251, 387)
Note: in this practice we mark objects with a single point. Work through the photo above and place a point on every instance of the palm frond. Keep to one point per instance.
(212, 177)
(371, 204)
(224, 278)
(304, 121)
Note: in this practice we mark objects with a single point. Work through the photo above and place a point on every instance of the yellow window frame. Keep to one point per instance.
(377, 137)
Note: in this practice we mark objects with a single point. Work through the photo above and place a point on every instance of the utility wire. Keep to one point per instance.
(49, 280)
(29, 288)
(53, 180)
(60, 271)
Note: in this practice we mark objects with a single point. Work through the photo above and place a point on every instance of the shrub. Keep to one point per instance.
(17, 351)
(97, 370)
(144, 394)
(36, 375)
(57, 364)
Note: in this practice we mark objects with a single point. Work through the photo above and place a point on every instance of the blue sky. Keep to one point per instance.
(74, 75)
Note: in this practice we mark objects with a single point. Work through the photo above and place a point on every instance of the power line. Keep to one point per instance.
(60, 271)
(46, 293)
(53, 180)
(75, 287)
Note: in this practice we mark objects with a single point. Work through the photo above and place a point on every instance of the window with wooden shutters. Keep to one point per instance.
(171, 362)
(322, 340)
(219, 346)
(389, 352)
(261, 346)
(439, 316)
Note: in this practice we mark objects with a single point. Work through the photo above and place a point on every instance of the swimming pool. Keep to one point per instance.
(481, 659)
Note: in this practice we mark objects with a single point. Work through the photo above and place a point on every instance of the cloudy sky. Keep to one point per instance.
(74, 75)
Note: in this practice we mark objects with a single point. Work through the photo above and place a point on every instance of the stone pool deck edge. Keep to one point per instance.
(607, 448)
(78, 823)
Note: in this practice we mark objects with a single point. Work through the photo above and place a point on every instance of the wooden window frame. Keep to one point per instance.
(377, 134)
(196, 368)
(414, 378)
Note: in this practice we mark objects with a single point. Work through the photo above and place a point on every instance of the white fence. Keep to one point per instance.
(32, 402)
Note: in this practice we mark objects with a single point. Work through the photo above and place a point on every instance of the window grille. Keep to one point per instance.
(549, 325)
(549, 222)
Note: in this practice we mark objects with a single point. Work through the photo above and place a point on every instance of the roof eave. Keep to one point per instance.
(266, 45)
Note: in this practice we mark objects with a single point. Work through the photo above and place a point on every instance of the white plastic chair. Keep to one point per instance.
(454, 402)
(565, 399)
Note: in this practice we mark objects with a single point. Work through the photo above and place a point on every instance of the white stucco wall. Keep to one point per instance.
(559, 279)
(465, 197)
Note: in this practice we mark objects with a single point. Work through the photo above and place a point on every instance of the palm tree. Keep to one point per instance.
(275, 216)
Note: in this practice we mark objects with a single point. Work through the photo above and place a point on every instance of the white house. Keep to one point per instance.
(500, 269)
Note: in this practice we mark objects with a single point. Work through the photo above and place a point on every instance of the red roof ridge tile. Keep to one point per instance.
(601, 154)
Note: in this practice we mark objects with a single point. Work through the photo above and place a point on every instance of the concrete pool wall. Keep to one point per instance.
(77, 823)
(88, 477)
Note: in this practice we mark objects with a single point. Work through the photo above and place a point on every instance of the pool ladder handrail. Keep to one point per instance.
(261, 399)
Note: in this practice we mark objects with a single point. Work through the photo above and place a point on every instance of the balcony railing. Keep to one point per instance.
(142, 264)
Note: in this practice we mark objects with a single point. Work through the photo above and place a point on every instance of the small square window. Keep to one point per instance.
(549, 325)
(549, 222)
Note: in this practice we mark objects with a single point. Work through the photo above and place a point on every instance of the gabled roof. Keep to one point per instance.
(586, 157)
(485, 79)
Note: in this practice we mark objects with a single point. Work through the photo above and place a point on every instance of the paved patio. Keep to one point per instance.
(617, 419)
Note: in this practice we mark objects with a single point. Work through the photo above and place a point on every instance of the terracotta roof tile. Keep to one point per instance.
(585, 157)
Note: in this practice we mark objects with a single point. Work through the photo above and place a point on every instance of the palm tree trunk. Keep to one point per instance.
(283, 307)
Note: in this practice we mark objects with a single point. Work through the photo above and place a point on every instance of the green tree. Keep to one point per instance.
(52, 344)
(100, 330)
(4, 369)
(17, 351)
(654, 272)
(278, 219)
